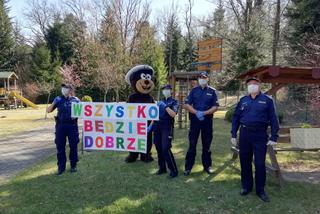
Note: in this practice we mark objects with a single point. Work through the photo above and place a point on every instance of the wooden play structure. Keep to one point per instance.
(279, 77)
(209, 58)
(10, 93)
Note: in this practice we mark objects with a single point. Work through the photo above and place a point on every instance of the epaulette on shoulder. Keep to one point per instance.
(268, 96)
(211, 88)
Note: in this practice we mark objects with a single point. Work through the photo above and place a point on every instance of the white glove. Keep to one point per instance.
(234, 141)
(271, 143)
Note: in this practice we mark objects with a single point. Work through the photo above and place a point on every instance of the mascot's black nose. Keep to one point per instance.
(146, 82)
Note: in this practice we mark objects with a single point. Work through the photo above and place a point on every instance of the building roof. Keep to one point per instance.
(6, 75)
(284, 75)
(185, 75)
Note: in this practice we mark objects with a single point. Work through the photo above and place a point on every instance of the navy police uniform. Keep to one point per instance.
(201, 99)
(66, 127)
(163, 133)
(253, 116)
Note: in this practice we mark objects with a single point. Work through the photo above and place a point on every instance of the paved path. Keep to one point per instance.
(24, 150)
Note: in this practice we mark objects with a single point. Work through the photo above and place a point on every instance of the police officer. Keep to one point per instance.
(66, 126)
(253, 114)
(163, 131)
(201, 103)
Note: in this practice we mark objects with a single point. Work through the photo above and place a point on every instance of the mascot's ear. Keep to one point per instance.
(135, 69)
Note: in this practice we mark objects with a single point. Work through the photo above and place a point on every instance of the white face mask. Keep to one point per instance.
(65, 91)
(253, 89)
(166, 93)
(202, 82)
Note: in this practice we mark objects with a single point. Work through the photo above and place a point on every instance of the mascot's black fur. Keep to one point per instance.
(141, 79)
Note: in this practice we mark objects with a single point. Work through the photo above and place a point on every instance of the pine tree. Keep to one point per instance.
(6, 38)
(43, 70)
(173, 46)
(59, 40)
(304, 18)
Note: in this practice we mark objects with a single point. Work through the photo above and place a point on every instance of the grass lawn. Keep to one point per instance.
(105, 184)
(20, 120)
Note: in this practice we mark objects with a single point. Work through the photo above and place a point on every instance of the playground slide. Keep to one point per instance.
(25, 100)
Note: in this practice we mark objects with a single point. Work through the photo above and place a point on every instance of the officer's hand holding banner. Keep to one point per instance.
(115, 126)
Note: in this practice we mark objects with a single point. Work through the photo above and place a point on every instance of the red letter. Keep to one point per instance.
(87, 125)
(141, 111)
(99, 126)
(141, 128)
(88, 110)
(99, 142)
(130, 146)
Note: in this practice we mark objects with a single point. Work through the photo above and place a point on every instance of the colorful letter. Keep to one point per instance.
(153, 112)
(87, 125)
(99, 142)
(98, 112)
(99, 126)
(141, 111)
(77, 109)
(130, 109)
(120, 126)
(120, 143)
(109, 109)
(109, 142)
(88, 110)
(141, 144)
(88, 141)
(120, 111)
(108, 127)
(141, 128)
(131, 142)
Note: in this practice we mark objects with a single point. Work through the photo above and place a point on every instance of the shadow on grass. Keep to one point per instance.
(105, 184)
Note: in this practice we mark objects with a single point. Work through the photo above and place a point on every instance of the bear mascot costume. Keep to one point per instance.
(141, 79)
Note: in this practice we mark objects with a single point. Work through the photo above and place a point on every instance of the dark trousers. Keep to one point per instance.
(162, 140)
(253, 143)
(205, 127)
(62, 132)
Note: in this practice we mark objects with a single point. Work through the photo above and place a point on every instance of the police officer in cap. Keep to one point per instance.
(201, 103)
(66, 126)
(253, 114)
(163, 132)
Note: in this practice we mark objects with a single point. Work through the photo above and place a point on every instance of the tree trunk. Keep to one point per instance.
(105, 95)
(276, 34)
(48, 100)
(117, 94)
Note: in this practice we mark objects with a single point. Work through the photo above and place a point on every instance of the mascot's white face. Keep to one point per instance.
(140, 78)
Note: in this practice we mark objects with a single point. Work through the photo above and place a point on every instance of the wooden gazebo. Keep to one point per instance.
(280, 76)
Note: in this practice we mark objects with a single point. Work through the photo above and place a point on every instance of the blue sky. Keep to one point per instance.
(201, 8)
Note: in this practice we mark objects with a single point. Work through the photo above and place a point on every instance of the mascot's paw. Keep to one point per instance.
(146, 158)
(130, 159)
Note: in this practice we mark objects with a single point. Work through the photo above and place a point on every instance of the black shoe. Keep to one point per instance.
(73, 169)
(264, 197)
(209, 170)
(161, 171)
(244, 192)
(130, 159)
(173, 174)
(187, 172)
(146, 158)
(60, 171)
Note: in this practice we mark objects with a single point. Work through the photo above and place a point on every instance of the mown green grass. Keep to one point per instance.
(16, 121)
(105, 184)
